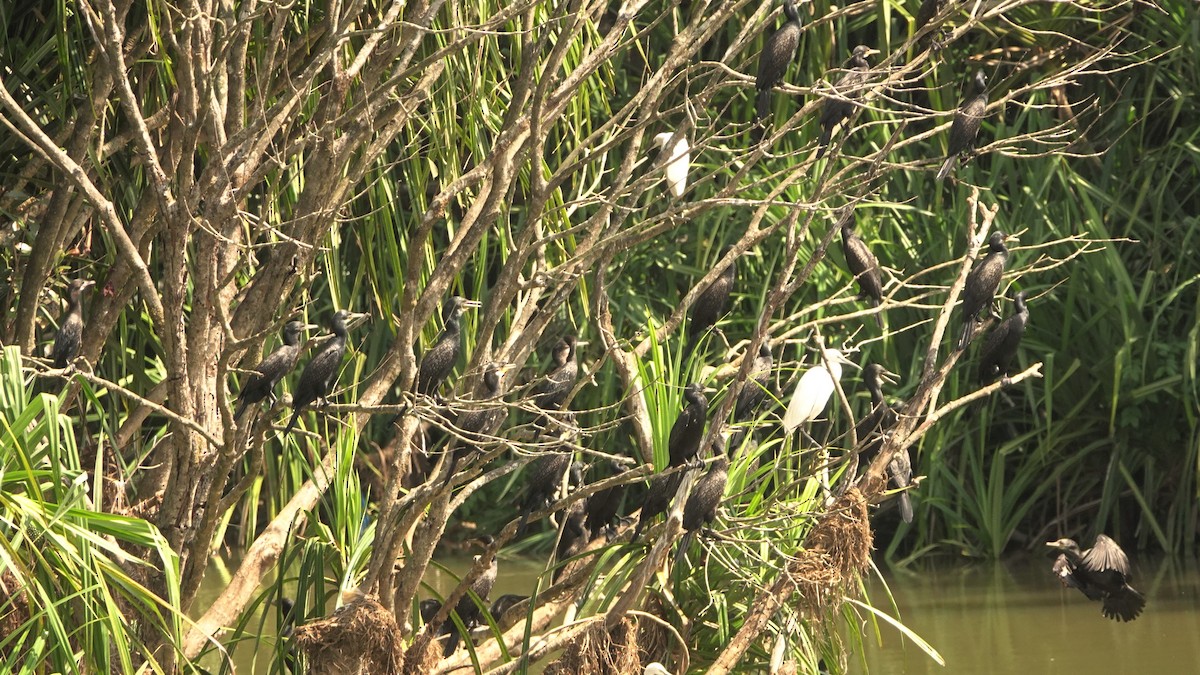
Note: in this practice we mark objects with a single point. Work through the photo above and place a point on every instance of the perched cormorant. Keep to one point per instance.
(676, 162)
(544, 477)
(602, 506)
(319, 373)
(551, 392)
(574, 537)
(70, 327)
(965, 127)
(711, 304)
(871, 429)
(863, 265)
(261, 382)
(658, 499)
(840, 104)
(480, 423)
(504, 603)
(468, 612)
(926, 12)
(429, 609)
(317, 377)
(981, 285)
(1101, 573)
(437, 363)
(777, 54)
(1001, 344)
(813, 390)
(688, 430)
(701, 506)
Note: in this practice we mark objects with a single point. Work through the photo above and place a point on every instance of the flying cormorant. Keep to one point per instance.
(1101, 573)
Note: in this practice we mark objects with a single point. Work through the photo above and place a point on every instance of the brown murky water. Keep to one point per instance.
(990, 619)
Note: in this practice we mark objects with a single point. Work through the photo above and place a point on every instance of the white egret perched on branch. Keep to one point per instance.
(677, 162)
(814, 390)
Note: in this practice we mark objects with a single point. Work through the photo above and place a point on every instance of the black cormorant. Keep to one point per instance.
(688, 430)
(1101, 573)
(871, 429)
(711, 304)
(602, 506)
(755, 389)
(701, 506)
(965, 127)
(862, 265)
(777, 54)
(479, 423)
(840, 104)
(658, 499)
(70, 328)
(926, 12)
(261, 382)
(573, 540)
(469, 612)
(504, 603)
(319, 373)
(551, 392)
(981, 285)
(1001, 344)
(437, 363)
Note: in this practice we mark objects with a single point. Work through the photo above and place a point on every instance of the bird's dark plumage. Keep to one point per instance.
(479, 423)
(469, 612)
(574, 537)
(658, 499)
(688, 430)
(839, 105)
(437, 363)
(551, 392)
(1000, 347)
(712, 304)
(965, 127)
(321, 370)
(602, 506)
(926, 12)
(262, 380)
(70, 328)
(1101, 573)
(544, 477)
(777, 54)
(981, 285)
(871, 429)
(701, 506)
(862, 265)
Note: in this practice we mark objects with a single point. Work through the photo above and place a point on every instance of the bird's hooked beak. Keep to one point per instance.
(889, 377)
(871, 52)
(356, 317)
(87, 283)
(472, 304)
(1059, 544)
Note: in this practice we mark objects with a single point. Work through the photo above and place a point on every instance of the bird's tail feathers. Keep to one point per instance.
(763, 108)
(292, 422)
(823, 141)
(947, 167)
(905, 504)
(968, 333)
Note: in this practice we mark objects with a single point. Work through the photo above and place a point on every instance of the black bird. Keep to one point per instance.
(688, 430)
(504, 603)
(468, 612)
(840, 104)
(926, 12)
(871, 429)
(319, 373)
(777, 54)
(479, 423)
(658, 499)
(602, 506)
(262, 380)
(574, 537)
(965, 127)
(70, 328)
(551, 392)
(755, 390)
(437, 363)
(287, 628)
(862, 265)
(711, 304)
(701, 507)
(981, 286)
(1001, 344)
(429, 609)
(1101, 573)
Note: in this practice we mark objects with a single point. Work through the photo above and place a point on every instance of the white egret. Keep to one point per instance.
(677, 162)
(813, 390)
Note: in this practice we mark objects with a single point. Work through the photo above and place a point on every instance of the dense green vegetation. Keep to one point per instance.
(241, 164)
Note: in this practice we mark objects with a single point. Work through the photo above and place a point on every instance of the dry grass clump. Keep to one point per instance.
(360, 638)
(838, 550)
(598, 651)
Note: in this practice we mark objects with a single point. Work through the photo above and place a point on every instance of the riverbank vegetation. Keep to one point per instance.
(223, 168)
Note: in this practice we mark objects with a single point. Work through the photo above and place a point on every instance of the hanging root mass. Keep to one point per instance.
(838, 550)
(359, 638)
(599, 650)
